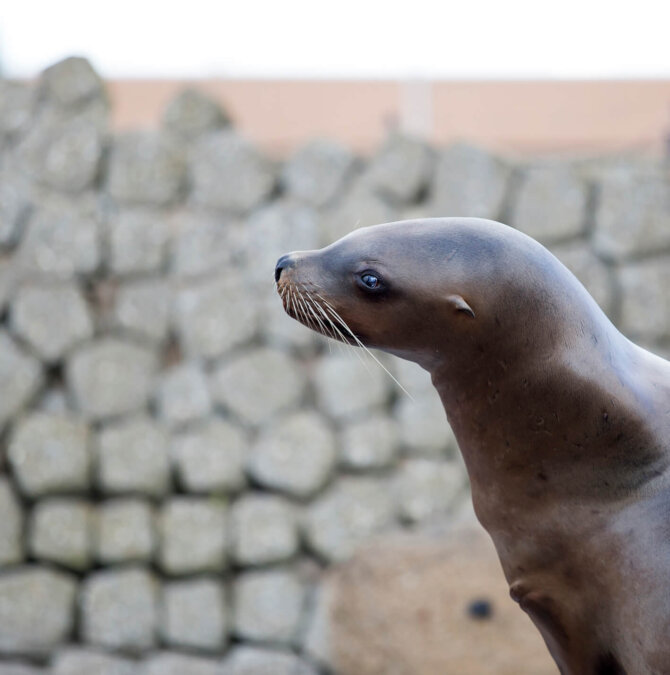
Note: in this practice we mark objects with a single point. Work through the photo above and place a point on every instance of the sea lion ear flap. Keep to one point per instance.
(459, 304)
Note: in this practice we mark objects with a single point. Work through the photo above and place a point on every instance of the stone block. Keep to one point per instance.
(211, 457)
(20, 378)
(229, 173)
(133, 456)
(268, 606)
(194, 615)
(21, 668)
(318, 172)
(37, 607)
(213, 316)
(142, 308)
(110, 377)
(125, 531)
(183, 395)
(258, 385)
(71, 82)
(15, 203)
(296, 455)
(145, 168)
(246, 660)
(61, 531)
(50, 453)
(426, 488)
(371, 443)
(551, 203)
(645, 308)
(424, 429)
(633, 212)
(401, 170)
(172, 663)
(81, 661)
(119, 609)
(61, 240)
(264, 529)
(17, 105)
(192, 113)
(137, 241)
(11, 525)
(193, 535)
(347, 388)
(468, 181)
(349, 512)
(51, 318)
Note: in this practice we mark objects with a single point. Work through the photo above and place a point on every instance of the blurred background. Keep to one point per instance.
(192, 483)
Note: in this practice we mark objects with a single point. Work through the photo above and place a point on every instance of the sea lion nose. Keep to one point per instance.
(283, 263)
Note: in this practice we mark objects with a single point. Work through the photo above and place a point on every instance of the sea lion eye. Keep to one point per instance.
(370, 280)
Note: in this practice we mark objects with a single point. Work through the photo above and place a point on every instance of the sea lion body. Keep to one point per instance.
(564, 424)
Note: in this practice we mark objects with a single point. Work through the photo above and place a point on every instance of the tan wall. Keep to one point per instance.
(519, 116)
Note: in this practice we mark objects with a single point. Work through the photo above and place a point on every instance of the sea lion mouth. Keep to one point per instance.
(308, 306)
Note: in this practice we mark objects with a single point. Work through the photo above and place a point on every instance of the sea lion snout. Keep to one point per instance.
(285, 262)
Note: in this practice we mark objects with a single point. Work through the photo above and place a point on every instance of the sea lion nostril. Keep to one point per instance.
(283, 262)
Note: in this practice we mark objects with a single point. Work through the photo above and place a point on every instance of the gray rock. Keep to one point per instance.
(192, 113)
(205, 244)
(11, 525)
(318, 172)
(20, 378)
(110, 377)
(78, 661)
(258, 385)
(352, 510)
(166, 663)
(143, 308)
(645, 310)
(145, 168)
(6, 282)
(244, 660)
(62, 152)
(268, 606)
(133, 456)
(264, 529)
(370, 443)
(424, 429)
(119, 609)
(228, 173)
(274, 230)
(50, 453)
(426, 488)
(183, 395)
(214, 316)
(211, 457)
(137, 241)
(61, 532)
(125, 531)
(36, 610)
(468, 182)
(347, 388)
(194, 614)
(632, 213)
(295, 455)
(71, 82)
(51, 318)
(401, 170)
(61, 241)
(590, 270)
(193, 535)
(17, 103)
(360, 207)
(15, 197)
(20, 668)
(551, 203)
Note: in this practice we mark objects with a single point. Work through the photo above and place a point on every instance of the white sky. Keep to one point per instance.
(346, 38)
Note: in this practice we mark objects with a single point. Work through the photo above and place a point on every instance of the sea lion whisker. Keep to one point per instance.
(327, 330)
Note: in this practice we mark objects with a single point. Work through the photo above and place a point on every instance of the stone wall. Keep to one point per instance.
(179, 461)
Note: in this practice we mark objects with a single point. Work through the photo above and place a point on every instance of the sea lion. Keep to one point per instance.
(564, 424)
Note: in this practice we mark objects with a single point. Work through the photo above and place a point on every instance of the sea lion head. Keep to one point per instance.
(410, 288)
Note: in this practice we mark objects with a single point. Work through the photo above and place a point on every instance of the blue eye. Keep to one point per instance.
(370, 280)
